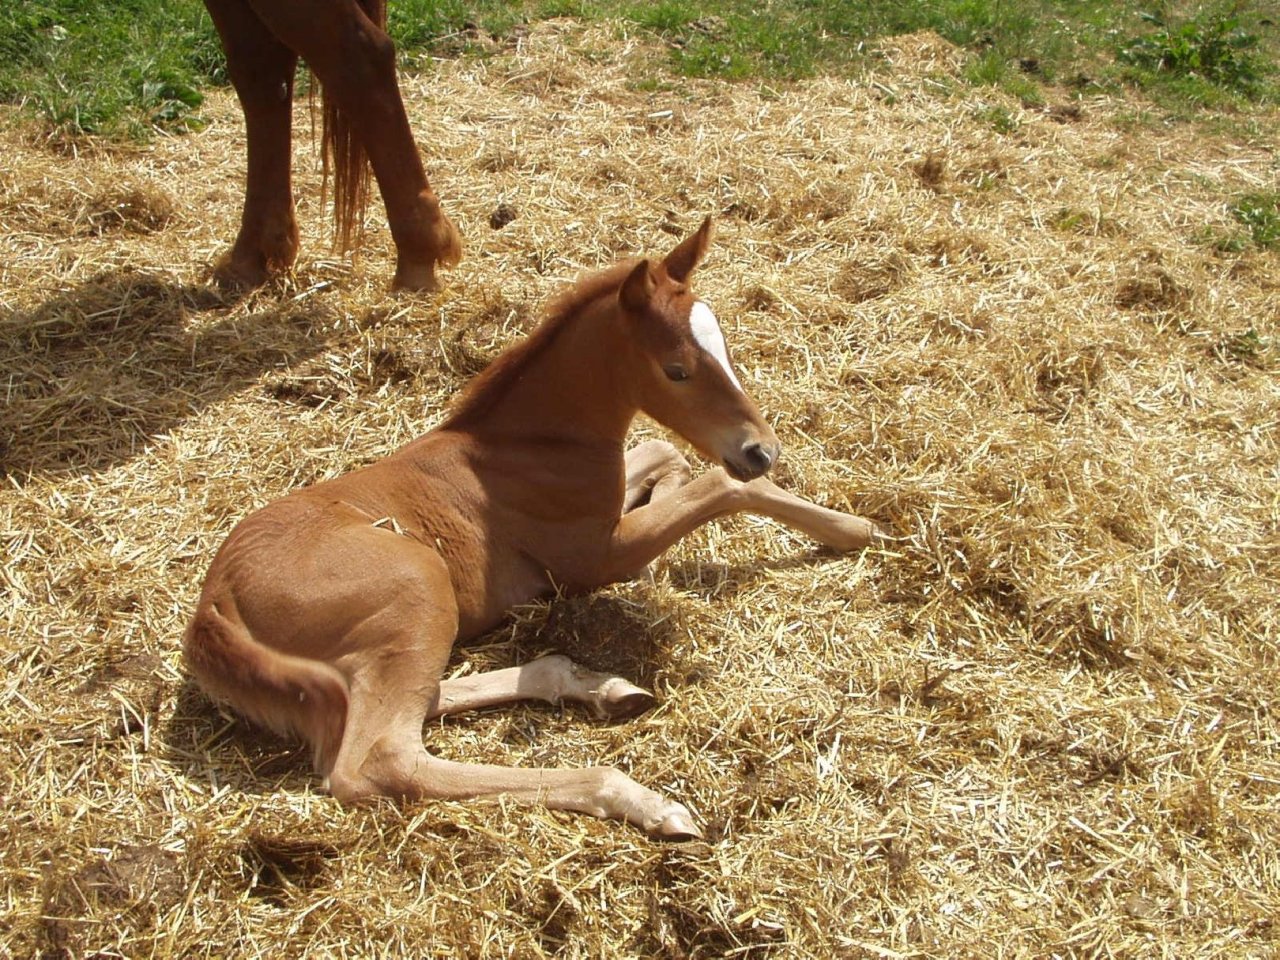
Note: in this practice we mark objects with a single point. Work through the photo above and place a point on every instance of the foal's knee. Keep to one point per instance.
(671, 458)
(654, 467)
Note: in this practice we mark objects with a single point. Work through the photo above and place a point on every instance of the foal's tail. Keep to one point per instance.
(288, 694)
(343, 155)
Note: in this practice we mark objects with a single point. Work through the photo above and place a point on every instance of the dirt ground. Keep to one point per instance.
(1043, 722)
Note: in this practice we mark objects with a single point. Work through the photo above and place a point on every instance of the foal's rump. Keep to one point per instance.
(289, 694)
(306, 597)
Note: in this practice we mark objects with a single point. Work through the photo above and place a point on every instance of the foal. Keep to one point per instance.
(332, 611)
(346, 45)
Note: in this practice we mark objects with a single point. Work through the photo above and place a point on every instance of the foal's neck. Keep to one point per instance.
(565, 385)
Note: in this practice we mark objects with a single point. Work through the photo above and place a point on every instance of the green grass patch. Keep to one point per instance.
(1000, 118)
(126, 67)
(1259, 214)
(797, 38)
(993, 70)
(119, 68)
(1257, 218)
(1247, 347)
(419, 23)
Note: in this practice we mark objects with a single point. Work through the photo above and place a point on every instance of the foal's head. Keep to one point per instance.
(682, 373)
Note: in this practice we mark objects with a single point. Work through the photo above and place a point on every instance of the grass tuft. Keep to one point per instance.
(1259, 214)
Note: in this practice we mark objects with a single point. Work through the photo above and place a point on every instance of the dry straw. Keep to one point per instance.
(1042, 723)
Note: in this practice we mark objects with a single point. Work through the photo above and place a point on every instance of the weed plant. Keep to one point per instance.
(1259, 214)
(1215, 48)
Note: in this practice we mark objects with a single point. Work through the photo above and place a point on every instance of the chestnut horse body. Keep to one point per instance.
(345, 44)
(332, 612)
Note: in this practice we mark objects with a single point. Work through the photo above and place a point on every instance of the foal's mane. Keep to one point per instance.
(492, 383)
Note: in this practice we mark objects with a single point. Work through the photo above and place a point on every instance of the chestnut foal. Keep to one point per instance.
(332, 612)
(346, 45)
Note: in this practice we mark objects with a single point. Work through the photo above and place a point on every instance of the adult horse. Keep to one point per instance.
(345, 44)
(332, 612)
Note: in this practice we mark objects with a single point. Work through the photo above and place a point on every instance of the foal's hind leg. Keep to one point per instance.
(394, 658)
(383, 755)
(262, 70)
(553, 679)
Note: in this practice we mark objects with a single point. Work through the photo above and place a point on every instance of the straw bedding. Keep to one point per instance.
(1042, 721)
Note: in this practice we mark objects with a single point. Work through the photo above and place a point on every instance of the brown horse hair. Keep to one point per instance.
(493, 382)
(342, 153)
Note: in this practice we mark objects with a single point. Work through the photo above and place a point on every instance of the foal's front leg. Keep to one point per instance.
(646, 532)
(552, 678)
(654, 469)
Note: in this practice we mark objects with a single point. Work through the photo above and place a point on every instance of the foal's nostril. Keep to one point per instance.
(757, 456)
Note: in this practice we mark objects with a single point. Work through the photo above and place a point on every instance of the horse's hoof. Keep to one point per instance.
(235, 275)
(619, 700)
(676, 825)
(855, 533)
(416, 278)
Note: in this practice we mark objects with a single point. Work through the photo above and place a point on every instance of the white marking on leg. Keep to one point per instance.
(706, 331)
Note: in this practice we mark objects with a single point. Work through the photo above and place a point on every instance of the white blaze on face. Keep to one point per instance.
(706, 331)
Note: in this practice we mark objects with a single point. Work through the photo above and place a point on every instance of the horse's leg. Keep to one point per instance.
(654, 469)
(404, 623)
(262, 70)
(396, 764)
(356, 63)
(553, 679)
(382, 754)
(643, 534)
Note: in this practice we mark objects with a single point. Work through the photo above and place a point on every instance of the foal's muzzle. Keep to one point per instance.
(753, 460)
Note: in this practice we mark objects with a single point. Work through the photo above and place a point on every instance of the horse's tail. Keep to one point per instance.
(288, 694)
(343, 155)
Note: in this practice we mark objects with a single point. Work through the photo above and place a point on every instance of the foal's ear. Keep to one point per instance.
(681, 261)
(636, 292)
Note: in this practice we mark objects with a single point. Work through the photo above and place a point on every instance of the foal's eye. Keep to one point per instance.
(675, 371)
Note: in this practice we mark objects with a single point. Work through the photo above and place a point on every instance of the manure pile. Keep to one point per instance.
(1042, 721)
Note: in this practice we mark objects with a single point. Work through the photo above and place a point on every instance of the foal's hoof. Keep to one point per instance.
(676, 825)
(617, 699)
(855, 533)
